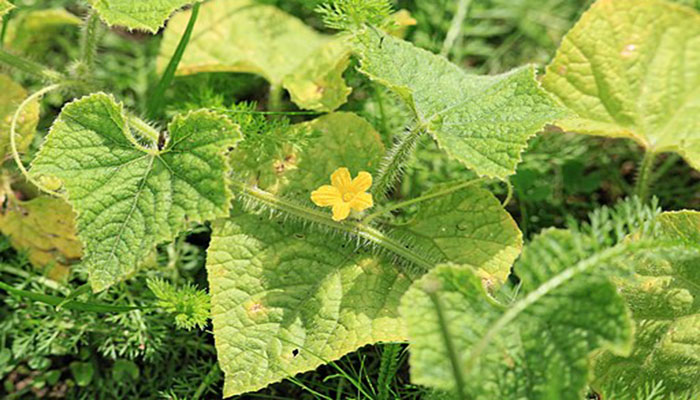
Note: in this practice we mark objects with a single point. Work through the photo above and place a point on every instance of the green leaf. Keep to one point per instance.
(83, 372)
(33, 32)
(124, 371)
(13, 94)
(295, 283)
(243, 36)
(285, 300)
(45, 228)
(5, 7)
(482, 121)
(664, 296)
(145, 15)
(464, 341)
(629, 68)
(467, 227)
(130, 191)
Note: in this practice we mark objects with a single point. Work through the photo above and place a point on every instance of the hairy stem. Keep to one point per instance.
(645, 177)
(419, 199)
(143, 129)
(89, 40)
(274, 101)
(449, 345)
(156, 100)
(356, 229)
(395, 161)
(29, 67)
(13, 140)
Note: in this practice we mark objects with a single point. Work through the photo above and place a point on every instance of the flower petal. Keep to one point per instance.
(341, 211)
(326, 195)
(362, 201)
(362, 182)
(341, 179)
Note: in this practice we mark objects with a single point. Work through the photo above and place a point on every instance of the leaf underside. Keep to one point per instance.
(482, 121)
(631, 69)
(244, 36)
(664, 296)
(128, 197)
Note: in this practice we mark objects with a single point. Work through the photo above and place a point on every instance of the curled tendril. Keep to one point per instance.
(13, 141)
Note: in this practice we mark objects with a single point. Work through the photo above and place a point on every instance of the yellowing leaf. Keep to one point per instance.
(285, 300)
(631, 68)
(12, 95)
(149, 15)
(317, 83)
(132, 191)
(484, 122)
(32, 32)
(243, 36)
(45, 228)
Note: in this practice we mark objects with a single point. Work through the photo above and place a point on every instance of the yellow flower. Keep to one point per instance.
(344, 193)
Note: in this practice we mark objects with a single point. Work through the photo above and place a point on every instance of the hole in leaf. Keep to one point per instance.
(295, 352)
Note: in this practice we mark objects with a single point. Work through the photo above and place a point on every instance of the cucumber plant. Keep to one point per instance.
(312, 255)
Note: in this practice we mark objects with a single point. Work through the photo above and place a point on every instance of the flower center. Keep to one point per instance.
(347, 197)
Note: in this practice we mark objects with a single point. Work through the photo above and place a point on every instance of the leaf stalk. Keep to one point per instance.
(645, 178)
(354, 228)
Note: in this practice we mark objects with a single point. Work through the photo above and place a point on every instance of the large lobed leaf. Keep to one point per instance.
(129, 196)
(482, 121)
(285, 300)
(277, 287)
(147, 15)
(631, 68)
(664, 296)
(13, 94)
(536, 347)
(244, 36)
